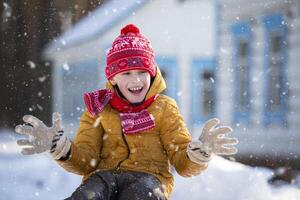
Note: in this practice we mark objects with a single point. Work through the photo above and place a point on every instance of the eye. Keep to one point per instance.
(143, 72)
(126, 73)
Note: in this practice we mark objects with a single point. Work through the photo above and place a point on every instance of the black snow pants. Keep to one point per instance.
(119, 186)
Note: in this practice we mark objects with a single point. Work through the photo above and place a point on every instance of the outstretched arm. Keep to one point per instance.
(80, 156)
(176, 138)
(42, 138)
(213, 140)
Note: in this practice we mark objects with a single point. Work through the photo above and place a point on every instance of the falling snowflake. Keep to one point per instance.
(7, 11)
(31, 64)
(42, 78)
(105, 137)
(66, 67)
(93, 162)
(39, 107)
(97, 122)
(224, 51)
(63, 42)
(4, 146)
(47, 64)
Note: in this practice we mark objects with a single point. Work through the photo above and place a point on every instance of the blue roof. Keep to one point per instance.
(96, 23)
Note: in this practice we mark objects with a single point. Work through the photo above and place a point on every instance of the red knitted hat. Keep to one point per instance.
(130, 50)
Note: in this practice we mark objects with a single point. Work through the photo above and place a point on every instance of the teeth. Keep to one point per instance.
(135, 88)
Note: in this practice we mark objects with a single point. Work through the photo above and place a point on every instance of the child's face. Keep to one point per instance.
(134, 84)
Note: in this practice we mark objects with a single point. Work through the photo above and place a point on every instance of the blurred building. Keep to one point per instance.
(258, 77)
(26, 78)
(231, 59)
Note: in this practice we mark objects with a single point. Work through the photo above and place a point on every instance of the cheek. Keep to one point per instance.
(122, 86)
(147, 81)
(121, 82)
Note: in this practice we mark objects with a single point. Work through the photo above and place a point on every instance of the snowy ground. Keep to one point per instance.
(38, 177)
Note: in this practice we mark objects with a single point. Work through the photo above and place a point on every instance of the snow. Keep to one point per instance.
(7, 11)
(227, 180)
(42, 78)
(66, 67)
(39, 177)
(31, 64)
(34, 177)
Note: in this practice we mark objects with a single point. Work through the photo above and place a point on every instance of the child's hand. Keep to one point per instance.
(42, 138)
(213, 140)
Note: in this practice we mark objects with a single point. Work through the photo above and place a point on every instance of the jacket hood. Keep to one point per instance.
(157, 87)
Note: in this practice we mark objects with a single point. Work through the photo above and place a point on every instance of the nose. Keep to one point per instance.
(136, 78)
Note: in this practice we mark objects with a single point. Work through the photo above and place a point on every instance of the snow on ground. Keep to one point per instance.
(227, 180)
(34, 177)
(39, 177)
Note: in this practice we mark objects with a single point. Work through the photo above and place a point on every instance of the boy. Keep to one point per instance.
(130, 132)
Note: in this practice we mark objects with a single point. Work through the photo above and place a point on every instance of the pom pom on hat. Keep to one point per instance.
(130, 51)
(130, 28)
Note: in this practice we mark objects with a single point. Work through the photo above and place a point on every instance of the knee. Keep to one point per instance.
(147, 187)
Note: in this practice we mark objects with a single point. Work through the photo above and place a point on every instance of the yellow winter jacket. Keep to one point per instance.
(100, 145)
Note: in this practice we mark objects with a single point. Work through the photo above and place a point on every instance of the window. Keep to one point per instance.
(274, 80)
(275, 76)
(241, 38)
(207, 93)
(203, 90)
(78, 78)
(242, 79)
(169, 70)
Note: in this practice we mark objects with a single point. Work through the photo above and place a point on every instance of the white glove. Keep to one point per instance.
(212, 141)
(43, 138)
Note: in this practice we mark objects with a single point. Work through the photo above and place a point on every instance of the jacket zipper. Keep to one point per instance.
(128, 151)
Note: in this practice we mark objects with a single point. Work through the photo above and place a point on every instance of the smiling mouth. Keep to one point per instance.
(135, 90)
